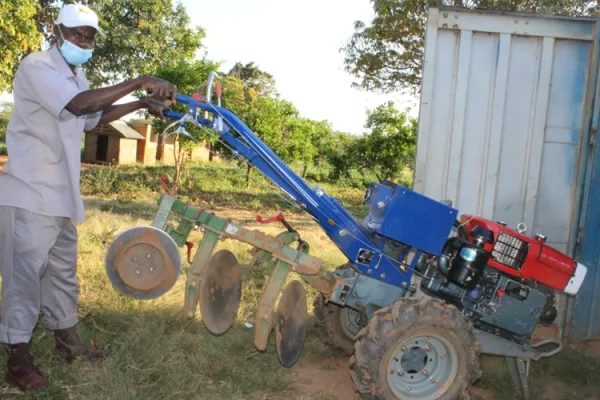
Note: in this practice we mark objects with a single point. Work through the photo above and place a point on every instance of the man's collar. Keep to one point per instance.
(60, 61)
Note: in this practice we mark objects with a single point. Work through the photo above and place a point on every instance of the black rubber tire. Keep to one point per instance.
(390, 325)
(327, 322)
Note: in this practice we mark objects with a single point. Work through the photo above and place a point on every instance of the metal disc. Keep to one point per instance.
(143, 262)
(220, 291)
(292, 322)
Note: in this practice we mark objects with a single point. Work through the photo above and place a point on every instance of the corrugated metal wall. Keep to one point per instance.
(505, 109)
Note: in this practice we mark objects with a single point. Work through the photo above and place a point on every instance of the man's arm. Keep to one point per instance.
(115, 112)
(94, 100)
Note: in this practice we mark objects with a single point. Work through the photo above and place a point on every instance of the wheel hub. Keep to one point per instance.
(351, 322)
(422, 367)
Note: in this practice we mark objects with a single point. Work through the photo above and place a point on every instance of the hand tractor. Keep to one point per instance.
(424, 292)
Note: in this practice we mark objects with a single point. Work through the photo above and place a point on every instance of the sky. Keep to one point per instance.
(298, 43)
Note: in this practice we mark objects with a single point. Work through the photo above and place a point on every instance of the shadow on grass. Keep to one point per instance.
(160, 354)
(570, 374)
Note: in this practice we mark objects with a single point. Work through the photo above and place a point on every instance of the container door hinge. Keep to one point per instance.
(593, 137)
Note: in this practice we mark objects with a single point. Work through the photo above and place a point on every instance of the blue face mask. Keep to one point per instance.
(73, 54)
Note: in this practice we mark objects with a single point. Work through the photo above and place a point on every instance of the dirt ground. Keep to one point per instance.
(329, 378)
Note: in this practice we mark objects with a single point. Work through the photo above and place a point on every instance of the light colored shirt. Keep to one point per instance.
(43, 139)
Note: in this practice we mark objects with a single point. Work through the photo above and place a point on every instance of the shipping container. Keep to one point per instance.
(507, 122)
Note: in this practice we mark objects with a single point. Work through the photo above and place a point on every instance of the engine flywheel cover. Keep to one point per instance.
(220, 291)
(292, 323)
(143, 262)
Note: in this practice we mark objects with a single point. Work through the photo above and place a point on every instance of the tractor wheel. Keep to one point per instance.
(416, 349)
(337, 326)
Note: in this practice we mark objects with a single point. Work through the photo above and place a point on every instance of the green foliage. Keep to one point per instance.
(386, 55)
(215, 184)
(5, 112)
(390, 145)
(141, 35)
(257, 83)
(18, 37)
(251, 94)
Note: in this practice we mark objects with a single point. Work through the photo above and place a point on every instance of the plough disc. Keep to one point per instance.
(220, 292)
(292, 317)
(143, 262)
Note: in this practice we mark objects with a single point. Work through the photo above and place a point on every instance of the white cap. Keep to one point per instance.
(73, 15)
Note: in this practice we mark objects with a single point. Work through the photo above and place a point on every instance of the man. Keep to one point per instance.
(39, 189)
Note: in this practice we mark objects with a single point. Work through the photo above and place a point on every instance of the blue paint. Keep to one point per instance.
(586, 319)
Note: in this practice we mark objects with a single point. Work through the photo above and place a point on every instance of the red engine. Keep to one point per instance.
(527, 258)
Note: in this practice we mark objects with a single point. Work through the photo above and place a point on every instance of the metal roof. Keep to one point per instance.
(125, 130)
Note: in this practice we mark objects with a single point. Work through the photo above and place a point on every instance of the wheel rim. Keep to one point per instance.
(422, 367)
(351, 322)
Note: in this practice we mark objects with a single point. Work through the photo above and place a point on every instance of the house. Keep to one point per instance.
(134, 141)
(115, 142)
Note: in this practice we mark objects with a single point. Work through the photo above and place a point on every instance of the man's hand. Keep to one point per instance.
(160, 89)
(156, 108)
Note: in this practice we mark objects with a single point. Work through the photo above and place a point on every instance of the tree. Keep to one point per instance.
(18, 37)
(390, 144)
(339, 154)
(387, 55)
(141, 36)
(257, 83)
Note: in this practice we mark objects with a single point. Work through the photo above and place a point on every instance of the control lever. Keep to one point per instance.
(279, 217)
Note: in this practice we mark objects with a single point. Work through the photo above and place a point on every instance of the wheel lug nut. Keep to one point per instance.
(137, 271)
(433, 380)
(400, 373)
(428, 348)
(425, 373)
(442, 356)
(147, 255)
(408, 388)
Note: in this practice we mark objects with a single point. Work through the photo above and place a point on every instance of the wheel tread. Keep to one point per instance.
(370, 346)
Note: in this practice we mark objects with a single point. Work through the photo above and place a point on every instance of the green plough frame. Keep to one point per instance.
(274, 253)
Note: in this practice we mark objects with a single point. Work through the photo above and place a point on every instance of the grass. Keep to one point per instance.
(155, 352)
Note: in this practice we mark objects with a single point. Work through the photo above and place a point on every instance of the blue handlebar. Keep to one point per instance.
(173, 114)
